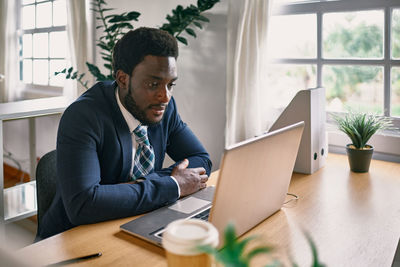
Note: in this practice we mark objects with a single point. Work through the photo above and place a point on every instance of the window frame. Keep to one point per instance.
(387, 144)
(32, 90)
(321, 7)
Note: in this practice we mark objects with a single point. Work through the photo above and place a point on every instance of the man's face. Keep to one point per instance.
(148, 89)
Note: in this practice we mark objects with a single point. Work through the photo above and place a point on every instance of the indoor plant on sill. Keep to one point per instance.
(360, 127)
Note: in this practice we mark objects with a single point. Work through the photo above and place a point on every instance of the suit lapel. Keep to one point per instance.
(122, 129)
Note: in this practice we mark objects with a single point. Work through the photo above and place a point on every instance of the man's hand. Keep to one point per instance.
(190, 180)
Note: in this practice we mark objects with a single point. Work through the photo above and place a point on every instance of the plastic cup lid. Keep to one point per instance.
(182, 237)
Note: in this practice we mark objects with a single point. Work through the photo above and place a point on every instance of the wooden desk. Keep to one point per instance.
(353, 218)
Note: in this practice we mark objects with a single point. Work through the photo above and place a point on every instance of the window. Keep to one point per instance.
(350, 47)
(43, 43)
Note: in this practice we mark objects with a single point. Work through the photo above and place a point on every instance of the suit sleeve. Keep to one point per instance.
(183, 144)
(85, 199)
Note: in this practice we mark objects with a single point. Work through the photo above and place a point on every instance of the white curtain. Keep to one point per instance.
(80, 33)
(8, 51)
(247, 36)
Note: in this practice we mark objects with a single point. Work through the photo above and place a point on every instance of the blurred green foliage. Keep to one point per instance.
(396, 33)
(362, 41)
(234, 252)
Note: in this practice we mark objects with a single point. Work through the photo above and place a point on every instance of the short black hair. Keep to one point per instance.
(131, 49)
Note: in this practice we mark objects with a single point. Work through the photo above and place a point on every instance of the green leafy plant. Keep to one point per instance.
(316, 262)
(182, 18)
(235, 254)
(114, 26)
(360, 127)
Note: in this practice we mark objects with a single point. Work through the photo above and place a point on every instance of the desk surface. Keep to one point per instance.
(353, 218)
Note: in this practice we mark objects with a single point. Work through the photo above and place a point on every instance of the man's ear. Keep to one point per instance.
(122, 79)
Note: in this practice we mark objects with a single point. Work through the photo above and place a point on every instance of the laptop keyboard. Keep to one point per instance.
(203, 215)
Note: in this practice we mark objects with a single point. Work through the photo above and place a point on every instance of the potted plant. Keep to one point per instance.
(235, 254)
(360, 127)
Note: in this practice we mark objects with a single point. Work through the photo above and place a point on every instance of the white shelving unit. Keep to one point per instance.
(19, 202)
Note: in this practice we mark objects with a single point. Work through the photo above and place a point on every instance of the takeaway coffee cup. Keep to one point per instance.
(182, 238)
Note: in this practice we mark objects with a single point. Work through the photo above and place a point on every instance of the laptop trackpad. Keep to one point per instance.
(189, 205)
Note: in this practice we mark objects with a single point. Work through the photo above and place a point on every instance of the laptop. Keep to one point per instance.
(252, 184)
(396, 259)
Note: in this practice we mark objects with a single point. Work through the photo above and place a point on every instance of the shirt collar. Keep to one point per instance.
(130, 120)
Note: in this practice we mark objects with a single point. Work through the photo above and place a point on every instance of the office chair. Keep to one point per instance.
(46, 175)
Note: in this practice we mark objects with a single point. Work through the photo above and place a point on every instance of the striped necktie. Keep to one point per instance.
(144, 156)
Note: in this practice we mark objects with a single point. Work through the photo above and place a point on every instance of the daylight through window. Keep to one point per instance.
(43, 42)
(350, 47)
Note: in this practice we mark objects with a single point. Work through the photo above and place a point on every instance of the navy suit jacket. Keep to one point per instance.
(94, 157)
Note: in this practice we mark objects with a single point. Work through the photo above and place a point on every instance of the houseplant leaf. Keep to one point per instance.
(115, 25)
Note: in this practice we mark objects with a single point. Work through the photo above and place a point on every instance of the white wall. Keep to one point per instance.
(16, 138)
(200, 90)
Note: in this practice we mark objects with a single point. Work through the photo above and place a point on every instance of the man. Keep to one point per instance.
(112, 141)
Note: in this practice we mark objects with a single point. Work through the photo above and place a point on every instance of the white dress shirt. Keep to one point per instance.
(132, 124)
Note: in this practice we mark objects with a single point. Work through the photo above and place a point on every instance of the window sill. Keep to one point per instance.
(40, 91)
(386, 146)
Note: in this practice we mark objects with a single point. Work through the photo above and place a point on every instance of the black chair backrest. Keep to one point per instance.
(46, 175)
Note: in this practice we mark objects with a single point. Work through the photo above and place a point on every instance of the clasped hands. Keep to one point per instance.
(190, 180)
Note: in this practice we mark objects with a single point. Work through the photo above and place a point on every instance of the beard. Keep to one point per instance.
(136, 111)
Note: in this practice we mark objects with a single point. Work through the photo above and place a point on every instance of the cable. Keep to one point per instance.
(295, 197)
